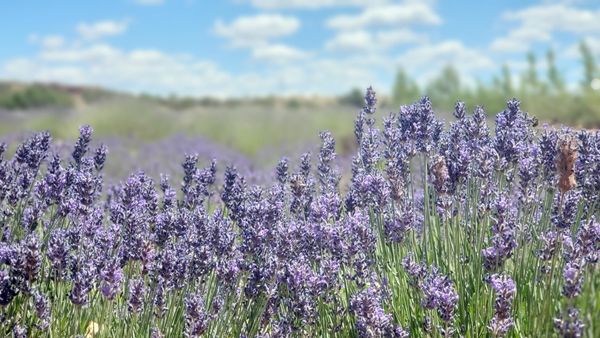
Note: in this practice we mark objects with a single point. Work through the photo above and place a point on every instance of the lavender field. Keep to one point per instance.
(432, 229)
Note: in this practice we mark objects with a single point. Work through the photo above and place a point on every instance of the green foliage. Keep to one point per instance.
(353, 98)
(531, 82)
(446, 88)
(506, 84)
(545, 96)
(589, 66)
(405, 90)
(34, 96)
(557, 83)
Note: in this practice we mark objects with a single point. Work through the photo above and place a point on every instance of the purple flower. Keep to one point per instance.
(42, 309)
(477, 129)
(427, 126)
(33, 151)
(111, 276)
(25, 262)
(233, 194)
(282, 171)
(189, 169)
(564, 209)
(459, 110)
(588, 240)
(513, 132)
(370, 101)
(549, 245)
(302, 186)
(82, 282)
(302, 283)
(81, 146)
(371, 319)
(439, 293)
(159, 301)
(573, 279)
(328, 176)
(58, 251)
(549, 153)
(19, 331)
(368, 190)
(8, 289)
(528, 172)
(398, 224)
(196, 318)
(397, 154)
(51, 188)
(506, 290)
(137, 290)
(155, 333)
(569, 325)
(414, 270)
(586, 165)
(100, 157)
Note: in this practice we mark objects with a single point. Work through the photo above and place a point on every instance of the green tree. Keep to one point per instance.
(405, 89)
(506, 84)
(554, 77)
(589, 65)
(355, 98)
(530, 78)
(445, 89)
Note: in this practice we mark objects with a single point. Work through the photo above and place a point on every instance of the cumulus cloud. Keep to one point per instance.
(278, 53)
(100, 29)
(249, 31)
(363, 40)
(427, 60)
(593, 43)
(388, 15)
(48, 41)
(314, 4)
(538, 24)
(155, 71)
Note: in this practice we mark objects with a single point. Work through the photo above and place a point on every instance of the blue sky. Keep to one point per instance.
(261, 47)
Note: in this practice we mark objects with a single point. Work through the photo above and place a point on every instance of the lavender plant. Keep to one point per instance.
(441, 232)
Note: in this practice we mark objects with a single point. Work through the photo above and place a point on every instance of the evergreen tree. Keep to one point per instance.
(530, 78)
(506, 85)
(405, 90)
(589, 66)
(554, 77)
(445, 89)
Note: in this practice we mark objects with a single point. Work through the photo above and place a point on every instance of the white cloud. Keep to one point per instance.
(149, 2)
(362, 40)
(96, 30)
(519, 40)
(390, 15)
(593, 44)
(278, 53)
(48, 41)
(250, 31)
(154, 71)
(538, 23)
(53, 41)
(427, 60)
(314, 4)
(96, 53)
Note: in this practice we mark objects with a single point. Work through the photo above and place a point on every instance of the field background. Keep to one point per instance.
(153, 133)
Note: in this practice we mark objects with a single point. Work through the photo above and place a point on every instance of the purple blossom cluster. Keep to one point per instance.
(505, 290)
(438, 292)
(304, 254)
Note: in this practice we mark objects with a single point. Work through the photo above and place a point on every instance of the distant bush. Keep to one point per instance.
(353, 98)
(542, 89)
(34, 96)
